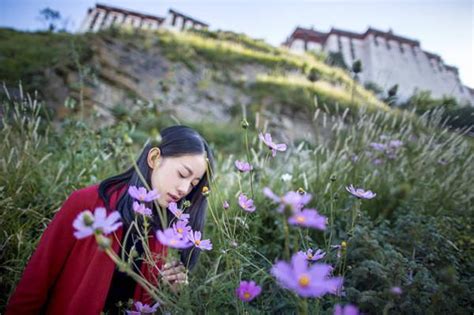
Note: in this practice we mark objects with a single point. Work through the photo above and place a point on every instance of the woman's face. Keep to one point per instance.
(175, 177)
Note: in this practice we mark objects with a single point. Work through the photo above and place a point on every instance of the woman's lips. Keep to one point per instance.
(172, 197)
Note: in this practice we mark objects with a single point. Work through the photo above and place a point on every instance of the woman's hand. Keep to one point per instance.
(174, 274)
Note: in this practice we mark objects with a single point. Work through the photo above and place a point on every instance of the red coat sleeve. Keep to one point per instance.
(47, 261)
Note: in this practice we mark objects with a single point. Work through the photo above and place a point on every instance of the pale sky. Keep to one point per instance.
(444, 27)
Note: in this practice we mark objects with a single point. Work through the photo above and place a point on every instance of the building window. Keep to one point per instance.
(339, 43)
(94, 20)
(376, 42)
(352, 50)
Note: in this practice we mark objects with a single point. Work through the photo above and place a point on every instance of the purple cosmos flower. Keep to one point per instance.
(293, 199)
(141, 194)
(310, 256)
(378, 146)
(396, 290)
(142, 209)
(360, 193)
(308, 218)
(178, 213)
(349, 309)
(395, 144)
(169, 238)
(182, 228)
(377, 161)
(243, 166)
(246, 203)
(267, 139)
(307, 281)
(195, 237)
(86, 223)
(225, 205)
(143, 308)
(247, 290)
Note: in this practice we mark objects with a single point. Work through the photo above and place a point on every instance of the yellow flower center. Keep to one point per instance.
(303, 281)
(197, 242)
(246, 295)
(205, 189)
(180, 230)
(310, 255)
(300, 219)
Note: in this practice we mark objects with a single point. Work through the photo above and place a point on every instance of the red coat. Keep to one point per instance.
(70, 276)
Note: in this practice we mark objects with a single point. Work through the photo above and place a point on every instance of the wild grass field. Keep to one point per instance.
(408, 250)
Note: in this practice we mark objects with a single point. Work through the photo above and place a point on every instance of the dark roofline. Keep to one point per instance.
(452, 68)
(129, 12)
(187, 17)
(317, 36)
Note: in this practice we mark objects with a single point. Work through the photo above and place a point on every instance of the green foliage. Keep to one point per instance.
(336, 59)
(27, 56)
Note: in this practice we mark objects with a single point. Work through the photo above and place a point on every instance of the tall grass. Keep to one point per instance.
(414, 234)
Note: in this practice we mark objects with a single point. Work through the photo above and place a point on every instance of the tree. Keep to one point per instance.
(51, 18)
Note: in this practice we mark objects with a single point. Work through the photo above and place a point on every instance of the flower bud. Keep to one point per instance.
(127, 140)
(244, 123)
(186, 204)
(103, 242)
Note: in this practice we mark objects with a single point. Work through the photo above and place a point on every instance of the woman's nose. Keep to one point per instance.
(182, 190)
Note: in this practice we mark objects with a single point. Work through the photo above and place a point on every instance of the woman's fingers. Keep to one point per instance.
(176, 277)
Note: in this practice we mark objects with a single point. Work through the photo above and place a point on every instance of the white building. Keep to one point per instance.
(387, 59)
(103, 16)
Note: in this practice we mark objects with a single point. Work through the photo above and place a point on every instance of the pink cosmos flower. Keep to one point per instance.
(225, 205)
(178, 213)
(396, 290)
(169, 238)
(395, 144)
(246, 203)
(293, 199)
(195, 237)
(308, 218)
(141, 194)
(306, 281)
(143, 308)
(267, 139)
(86, 223)
(310, 256)
(378, 146)
(142, 209)
(247, 291)
(349, 309)
(360, 193)
(182, 228)
(243, 166)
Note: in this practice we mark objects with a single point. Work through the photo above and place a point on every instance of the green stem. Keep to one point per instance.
(287, 239)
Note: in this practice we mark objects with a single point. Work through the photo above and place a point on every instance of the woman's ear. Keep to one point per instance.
(154, 157)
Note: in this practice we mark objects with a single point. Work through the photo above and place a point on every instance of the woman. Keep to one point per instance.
(70, 276)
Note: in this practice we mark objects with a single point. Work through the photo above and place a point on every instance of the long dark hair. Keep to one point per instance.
(175, 141)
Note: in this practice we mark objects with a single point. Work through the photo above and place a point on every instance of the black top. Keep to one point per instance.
(122, 287)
